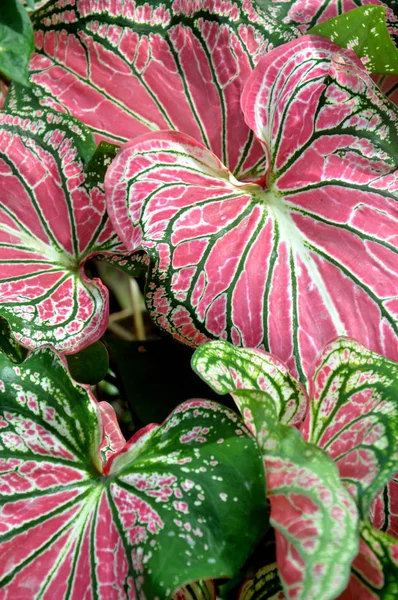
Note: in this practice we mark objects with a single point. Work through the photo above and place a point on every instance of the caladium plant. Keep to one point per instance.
(84, 514)
(52, 218)
(320, 220)
(352, 421)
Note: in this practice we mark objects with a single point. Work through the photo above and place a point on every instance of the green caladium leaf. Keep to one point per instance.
(90, 365)
(353, 416)
(364, 31)
(227, 368)
(81, 510)
(314, 516)
(16, 41)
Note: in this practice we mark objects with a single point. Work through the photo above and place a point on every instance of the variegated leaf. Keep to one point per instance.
(305, 15)
(389, 86)
(265, 585)
(321, 222)
(125, 68)
(353, 416)
(314, 516)
(52, 218)
(165, 509)
(227, 368)
(375, 569)
(384, 509)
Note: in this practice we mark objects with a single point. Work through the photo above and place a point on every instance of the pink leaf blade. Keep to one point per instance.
(353, 416)
(315, 518)
(163, 74)
(52, 218)
(311, 223)
(375, 569)
(384, 509)
(72, 527)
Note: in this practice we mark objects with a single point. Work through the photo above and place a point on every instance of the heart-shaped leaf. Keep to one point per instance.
(52, 218)
(353, 416)
(321, 222)
(227, 368)
(314, 516)
(166, 509)
(128, 68)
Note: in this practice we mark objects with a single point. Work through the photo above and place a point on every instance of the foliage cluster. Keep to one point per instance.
(224, 174)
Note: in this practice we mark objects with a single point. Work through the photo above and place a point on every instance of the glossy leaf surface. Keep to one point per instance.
(52, 217)
(227, 368)
(132, 67)
(71, 523)
(315, 518)
(364, 31)
(353, 416)
(321, 221)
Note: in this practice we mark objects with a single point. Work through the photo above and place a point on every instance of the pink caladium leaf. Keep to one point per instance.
(388, 85)
(126, 68)
(314, 516)
(321, 221)
(353, 416)
(374, 572)
(52, 218)
(227, 368)
(384, 509)
(305, 15)
(164, 510)
(375, 569)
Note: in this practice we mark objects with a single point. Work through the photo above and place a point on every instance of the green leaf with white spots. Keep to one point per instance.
(226, 368)
(82, 510)
(314, 516)
(363, 30)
